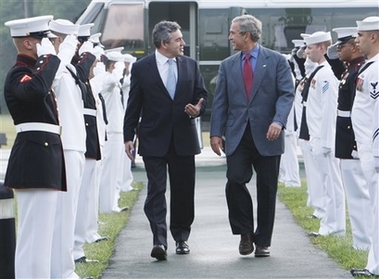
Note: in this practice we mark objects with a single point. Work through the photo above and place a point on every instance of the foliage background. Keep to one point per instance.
(14, 9)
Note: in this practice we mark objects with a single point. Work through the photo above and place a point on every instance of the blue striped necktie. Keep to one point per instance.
(171, 78)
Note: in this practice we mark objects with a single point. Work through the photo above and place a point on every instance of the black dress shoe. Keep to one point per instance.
(261, 252)
(85, 260)
(361, 272)
(246, 246)
(159, 252)
(313, 234)
(182, 248)
(103, 238)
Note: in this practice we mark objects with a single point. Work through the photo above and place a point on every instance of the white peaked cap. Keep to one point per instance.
(95, 39)
(115, 56)
(304, 35)
(318, 37)
(368, 24)
(85, 30)
(32, 26)
(298, 43)
(117, 49)
(345, 33)
(129, 58)
(64, 26)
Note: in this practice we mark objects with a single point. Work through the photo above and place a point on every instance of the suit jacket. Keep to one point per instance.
(163, 119)
(271, 101)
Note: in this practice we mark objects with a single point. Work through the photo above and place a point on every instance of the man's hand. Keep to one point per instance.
(274, 131)
(216, 144)
(46, 47)
(193, 111)
(129, 148)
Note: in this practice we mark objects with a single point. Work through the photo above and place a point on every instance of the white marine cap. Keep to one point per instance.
(298, 43)
(368, 24)
(129, 58)
(318, 37)
(345, 33)
(95, 39)
(117, 49)
(30, 27)
(115, 56)
(85, 30)
(63, 26)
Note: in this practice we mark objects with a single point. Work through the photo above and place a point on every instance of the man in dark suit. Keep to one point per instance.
(251, 118)
(167, 133)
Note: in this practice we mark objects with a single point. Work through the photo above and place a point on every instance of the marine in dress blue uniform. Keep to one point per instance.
(36, 168)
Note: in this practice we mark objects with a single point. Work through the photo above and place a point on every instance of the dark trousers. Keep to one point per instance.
(239, 172)
(181, 170)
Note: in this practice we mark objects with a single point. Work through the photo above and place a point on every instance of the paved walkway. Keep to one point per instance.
(214, 250)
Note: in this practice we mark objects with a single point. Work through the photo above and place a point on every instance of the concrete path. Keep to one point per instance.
(214, 250)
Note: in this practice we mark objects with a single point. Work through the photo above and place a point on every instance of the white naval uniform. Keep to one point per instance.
(92, 234)
(321, 119)
(363, 123)
(127, 178)
(70, 106)
(315, 192)
(114, 145)
(289, 164)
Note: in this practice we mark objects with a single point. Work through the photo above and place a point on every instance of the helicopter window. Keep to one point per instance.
(124, 26)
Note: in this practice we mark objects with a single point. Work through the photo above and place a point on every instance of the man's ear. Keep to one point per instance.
(28, 43)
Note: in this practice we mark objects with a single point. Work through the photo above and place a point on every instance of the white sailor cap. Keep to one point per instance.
(129, 58)
(95, 39)
(345, 33)
(368, 24)
(298, 43)
(318, 37)
(85, 30)
(114, 56)
(117, 49)
(30, 27)
(63, 26)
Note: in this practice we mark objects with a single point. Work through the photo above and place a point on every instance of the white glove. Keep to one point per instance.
(326, 151)
(67, 49)
(46, 47)
(300, 53)
(376, 164)
(98, 51)
(332, 52)
(86, 47)
(118, 69)
(99, 69)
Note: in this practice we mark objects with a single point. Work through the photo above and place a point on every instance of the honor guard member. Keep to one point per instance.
(84, 64)
(70, 105)
(365, 123)
(356, 190)
(321, 120)
(96, 82)
(36, 169)
(113, 148)
(289, 165)
(127, 179)
(316, 195)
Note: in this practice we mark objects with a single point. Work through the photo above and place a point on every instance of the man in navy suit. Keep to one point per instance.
(253, 97)
(167, 133)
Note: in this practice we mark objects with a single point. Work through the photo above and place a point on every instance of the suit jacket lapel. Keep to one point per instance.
(236, 70)
(260, 70)
(152, 68)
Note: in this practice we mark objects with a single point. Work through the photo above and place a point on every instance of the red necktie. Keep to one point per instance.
(248, 75)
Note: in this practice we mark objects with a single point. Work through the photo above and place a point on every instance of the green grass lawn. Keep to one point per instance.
(338, 248)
